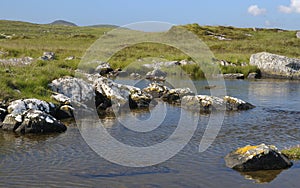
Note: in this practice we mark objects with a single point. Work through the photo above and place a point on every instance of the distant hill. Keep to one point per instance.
(104, 25)
(62, 22)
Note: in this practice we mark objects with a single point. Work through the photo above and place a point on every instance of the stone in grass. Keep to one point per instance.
(259, 157)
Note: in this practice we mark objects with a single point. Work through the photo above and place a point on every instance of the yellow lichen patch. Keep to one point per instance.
(245, 149)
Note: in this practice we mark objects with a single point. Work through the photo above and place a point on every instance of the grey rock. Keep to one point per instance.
(156, 73)
(156, 90)
(70, 58)
(78, 90)
(175, 95)
(260, 157)
(205, 103)
(47, 56)
(276, 66)
(298, 34)
(104, 68)
(17, 61)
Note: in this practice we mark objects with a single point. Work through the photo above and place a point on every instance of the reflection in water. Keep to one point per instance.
(50, 160)
(264, 176)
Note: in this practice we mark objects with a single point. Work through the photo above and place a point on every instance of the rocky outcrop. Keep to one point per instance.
(31, 116)
(156, 90)
(47, 56)
(276, 66)
(205, 103)
(260, 157)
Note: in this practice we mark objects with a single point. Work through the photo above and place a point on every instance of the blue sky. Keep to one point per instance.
(240, 13)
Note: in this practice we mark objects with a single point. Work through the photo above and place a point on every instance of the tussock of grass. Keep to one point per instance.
(292, 153)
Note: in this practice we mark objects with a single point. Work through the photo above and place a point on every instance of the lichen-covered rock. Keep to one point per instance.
(139, 99)
(277, 66)
(260, 157)
(156, 90)
(206, 103)
(61, 98)
(78, 90)
(32, 121)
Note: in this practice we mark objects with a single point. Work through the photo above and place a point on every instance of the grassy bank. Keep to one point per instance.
(292, 153)
(26, 39)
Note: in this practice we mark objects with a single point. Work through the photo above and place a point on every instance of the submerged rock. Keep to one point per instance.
(206, 103)
(276, 66)
(32, 121)
(260, 157)
(234, 76)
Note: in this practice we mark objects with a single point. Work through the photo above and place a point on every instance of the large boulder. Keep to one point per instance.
(32, 121)
(260, 157)
(276, 66)
(76, 89)
(206, 103)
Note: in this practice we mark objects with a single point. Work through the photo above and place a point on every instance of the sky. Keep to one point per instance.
(284, 14)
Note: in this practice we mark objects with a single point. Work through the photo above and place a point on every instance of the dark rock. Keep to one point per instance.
(138, 99)
(253, 75)
(33, 121)
(260, 157)
(3, 113)
(104, 68)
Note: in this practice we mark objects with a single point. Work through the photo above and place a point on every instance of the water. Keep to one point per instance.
(65, 160)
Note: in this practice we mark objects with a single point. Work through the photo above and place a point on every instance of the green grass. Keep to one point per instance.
(33, 39)
(292, 153)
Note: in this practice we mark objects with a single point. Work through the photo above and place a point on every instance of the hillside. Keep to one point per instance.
(62, 22)
(20, 39)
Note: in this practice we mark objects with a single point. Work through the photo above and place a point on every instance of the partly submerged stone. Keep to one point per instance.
(32, 121)
(156, 90)
(175, 95)
(206, 103)
(260, 157)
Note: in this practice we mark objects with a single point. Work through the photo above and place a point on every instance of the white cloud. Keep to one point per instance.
(268, 23)
(293, 7)
(255, 10)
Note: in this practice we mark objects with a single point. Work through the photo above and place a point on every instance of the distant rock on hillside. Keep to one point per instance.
(104, 25)
(62, 22)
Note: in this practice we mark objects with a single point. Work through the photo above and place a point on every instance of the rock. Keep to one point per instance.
(298, 34)
(122, 74)
(156, 90)
(260, 157)
(62, 99)
(33, 121)
(205, 103)
(233, 76)
(139, 99)
(175, 95)
(103, 68)
(17, 61)
(252, 75)
(121, 94)
(156, 73)
(76, 89)
(47, 56)
(243, 64)
(185, 62)
(276, 66)
(64, 112)
(135, 76)
(70, 58)
(18, 107)
(3, 113)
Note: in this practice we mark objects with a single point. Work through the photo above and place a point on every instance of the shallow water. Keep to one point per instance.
(65, 160)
